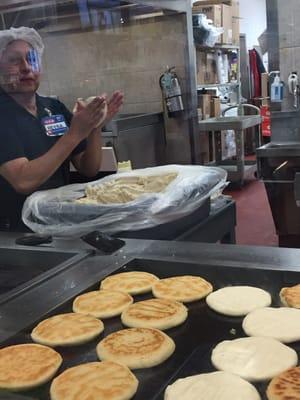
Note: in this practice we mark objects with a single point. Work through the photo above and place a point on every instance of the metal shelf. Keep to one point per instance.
(211, 2)
(234, 174)
(179, 6)
(175, 5)
(230, 47)
(217, 85)
(236, 123)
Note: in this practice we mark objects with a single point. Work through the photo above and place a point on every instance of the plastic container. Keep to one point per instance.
(276, 89)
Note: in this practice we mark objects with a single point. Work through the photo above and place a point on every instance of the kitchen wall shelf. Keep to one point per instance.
(217, 85)
(229, 47)
(211, 2)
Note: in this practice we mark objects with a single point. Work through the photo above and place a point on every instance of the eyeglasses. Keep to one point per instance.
(32, 59)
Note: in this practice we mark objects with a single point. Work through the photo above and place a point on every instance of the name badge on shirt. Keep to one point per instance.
(55, 125)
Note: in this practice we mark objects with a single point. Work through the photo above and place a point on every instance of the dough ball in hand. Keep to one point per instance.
(87, 101)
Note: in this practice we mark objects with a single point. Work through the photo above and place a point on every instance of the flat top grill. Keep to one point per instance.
(22, 268)
(194, 339)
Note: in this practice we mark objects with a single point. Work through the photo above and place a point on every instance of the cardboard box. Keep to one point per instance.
(211, 70)
(235, 9)
(235, 22)
(215, 107)
(265, 88)
(211, 2)
(201, 66)
(206, 68)
(204, 147)
(204, 102)
(212, 12)
(224, 16)
(235, 31)
(212, 92)
(227, 36)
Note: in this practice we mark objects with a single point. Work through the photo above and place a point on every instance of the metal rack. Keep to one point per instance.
(238, 169)
(218, 46)
(217, 85)
(211, 2)
(237, 84)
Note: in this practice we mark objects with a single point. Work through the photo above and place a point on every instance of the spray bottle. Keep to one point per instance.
(276, 88)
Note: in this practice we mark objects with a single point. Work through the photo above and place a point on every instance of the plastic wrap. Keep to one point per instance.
(205, 33)
(54, 211)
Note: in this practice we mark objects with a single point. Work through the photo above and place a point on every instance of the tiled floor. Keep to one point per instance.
(254, 219)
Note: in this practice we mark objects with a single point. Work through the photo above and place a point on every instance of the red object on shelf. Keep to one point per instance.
(266, 121)
(255, 74)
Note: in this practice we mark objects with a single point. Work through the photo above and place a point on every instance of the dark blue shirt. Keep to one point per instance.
(24, 135)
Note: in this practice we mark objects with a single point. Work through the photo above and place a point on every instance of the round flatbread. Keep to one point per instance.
(253, 358)
(67, 330)
(102, 303)
(155, 313)
(285, 386)
(237, 301)
(281, 323)
(290, 296)
(184, 288)
(212, 386)
(136, 347)
(105, 380)
(134, 282)
(26, 366)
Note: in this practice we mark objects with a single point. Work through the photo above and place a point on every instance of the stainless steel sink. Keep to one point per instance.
(282, 144)
(22, 268)
(279, 149)
(237, 123)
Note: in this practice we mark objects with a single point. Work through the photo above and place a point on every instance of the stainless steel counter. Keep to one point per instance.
(278, 163)
(279, 149)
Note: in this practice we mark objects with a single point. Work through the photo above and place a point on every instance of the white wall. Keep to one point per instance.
(253, 20)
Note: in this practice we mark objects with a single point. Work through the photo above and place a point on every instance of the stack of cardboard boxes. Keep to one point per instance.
(208, 106)
(206, 68)
(222, 15)
(226, 16)
(235, 22)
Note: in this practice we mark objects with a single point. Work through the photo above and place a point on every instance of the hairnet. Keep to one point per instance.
(29, 35)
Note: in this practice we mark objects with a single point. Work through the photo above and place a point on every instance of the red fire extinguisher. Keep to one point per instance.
(171, 91)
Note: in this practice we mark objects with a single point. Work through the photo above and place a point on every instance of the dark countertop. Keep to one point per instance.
(26, 308)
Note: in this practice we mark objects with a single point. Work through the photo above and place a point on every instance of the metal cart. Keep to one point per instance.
(238, 169)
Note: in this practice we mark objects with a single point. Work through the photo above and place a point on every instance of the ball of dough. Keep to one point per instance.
(88, 101)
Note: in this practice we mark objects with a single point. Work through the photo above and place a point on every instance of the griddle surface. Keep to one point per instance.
(19, 267)
(194, 339)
